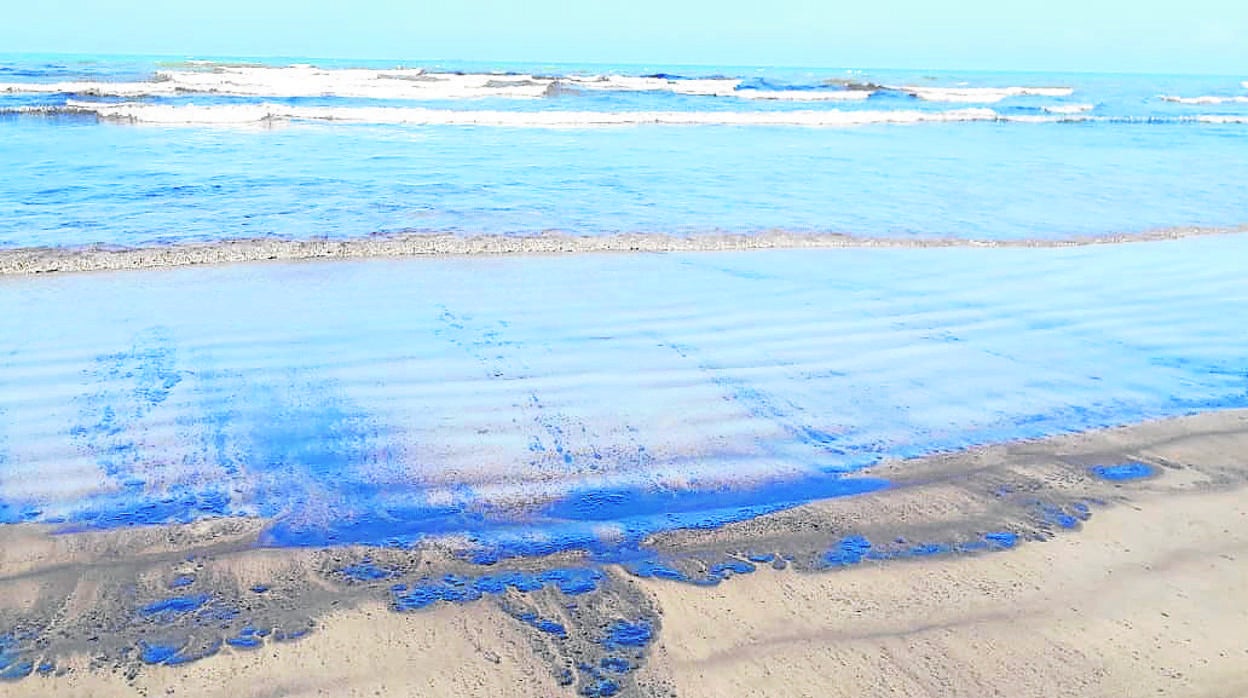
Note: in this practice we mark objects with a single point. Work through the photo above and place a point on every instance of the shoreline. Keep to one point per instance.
(1150, 567)
(52, 260)
(1144, 600)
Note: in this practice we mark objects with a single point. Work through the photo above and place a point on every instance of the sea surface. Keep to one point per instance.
(141, 151)
(535, 404)
(543, 417)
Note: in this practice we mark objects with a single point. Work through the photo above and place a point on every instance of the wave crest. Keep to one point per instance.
(307, 81)
(980, 95)
(1069, 108)
(270, 112)
(418, 84)
(1205, 99)
(400, 83)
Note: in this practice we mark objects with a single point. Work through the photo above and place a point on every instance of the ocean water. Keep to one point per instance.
(534, 404)
(530, 405)
(141, 151)
(509, 406)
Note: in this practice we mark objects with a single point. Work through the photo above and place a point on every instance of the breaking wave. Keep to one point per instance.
(419, 84)
(1069, 108)
(268, 113)
(711, 87)
(398, 83)
(1205, 99)
(306, 81)
(981, 95)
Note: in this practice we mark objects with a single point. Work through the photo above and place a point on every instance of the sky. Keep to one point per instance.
(1196, 36)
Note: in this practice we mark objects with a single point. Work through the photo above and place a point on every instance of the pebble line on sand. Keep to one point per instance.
(47, 260)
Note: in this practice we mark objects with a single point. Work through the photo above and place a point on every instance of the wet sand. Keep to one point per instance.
(1147, 600)
(38, 260)
(1113, 587)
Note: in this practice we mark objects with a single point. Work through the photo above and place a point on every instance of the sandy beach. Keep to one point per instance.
(1145, 600)
(1139, 592)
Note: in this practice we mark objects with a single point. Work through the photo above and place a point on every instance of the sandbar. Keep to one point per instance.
(49, 260)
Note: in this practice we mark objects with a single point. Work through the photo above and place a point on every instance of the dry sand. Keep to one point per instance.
(47, 260)
(1148, 596)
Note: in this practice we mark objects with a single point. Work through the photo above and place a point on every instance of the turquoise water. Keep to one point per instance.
(292, 152)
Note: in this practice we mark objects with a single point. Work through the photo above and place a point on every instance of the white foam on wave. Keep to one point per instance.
(270, 112)
(711, 87)
(419, 84)
(1221, 119)
(1205, 99)
(806, 95)
(94, 89)
(308, 81)
(1069, 108)
(1041, 118)
(404, 83)
(1087, 118)
(980, 95)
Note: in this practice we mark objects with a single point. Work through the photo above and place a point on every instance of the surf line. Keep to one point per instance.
(102, 257)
